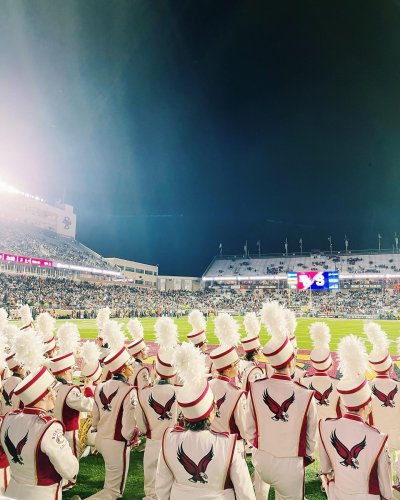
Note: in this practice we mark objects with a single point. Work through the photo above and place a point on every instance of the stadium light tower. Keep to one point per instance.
(346, 243)
(301, 246)
(330, 243)
(379, 241)
(396, 242)
(286, 246)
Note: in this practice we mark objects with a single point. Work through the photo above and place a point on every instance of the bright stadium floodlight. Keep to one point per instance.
(8, 189)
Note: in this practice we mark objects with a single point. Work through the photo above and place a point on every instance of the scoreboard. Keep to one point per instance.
(313, 280)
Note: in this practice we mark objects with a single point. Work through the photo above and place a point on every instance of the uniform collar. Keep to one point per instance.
(352, 416)
(223, 377)
(30, 410)
(280, 376)
(383, 376)
(320, 374)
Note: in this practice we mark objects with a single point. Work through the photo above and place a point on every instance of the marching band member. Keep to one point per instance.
(385, 414)
(4, 465)
(69, 399)
(354, 459)
(281, 415)
(324, 386)
(26, 317)
(230, 400)
(103, 315)
(45, 324)
(249, 369)
(196, 462)
(167, 339)
(138, 350)
(114, 414)
(157, 410)
(198, 334)
(91, 372)
(39, 455)
(9, 399)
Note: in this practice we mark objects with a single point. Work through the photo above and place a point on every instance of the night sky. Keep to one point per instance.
(172, 126)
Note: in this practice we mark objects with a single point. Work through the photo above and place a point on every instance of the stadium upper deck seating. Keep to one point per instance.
(26, 240)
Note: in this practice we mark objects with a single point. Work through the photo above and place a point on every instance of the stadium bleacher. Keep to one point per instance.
(27, 240)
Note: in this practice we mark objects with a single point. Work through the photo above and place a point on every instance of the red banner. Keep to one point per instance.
(21, 259)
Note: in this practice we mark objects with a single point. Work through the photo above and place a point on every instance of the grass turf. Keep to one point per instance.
(91, 475)
(339, 328)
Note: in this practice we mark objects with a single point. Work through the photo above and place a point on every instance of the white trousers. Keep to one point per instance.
(4, 479)
(116, 456)
(286, 475)
(19, 491)
(150, 460)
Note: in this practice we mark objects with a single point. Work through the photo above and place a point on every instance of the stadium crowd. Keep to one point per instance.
(26, 240)
(82, 299)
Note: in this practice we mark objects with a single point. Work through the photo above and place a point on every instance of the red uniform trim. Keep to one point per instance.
(355, 408)
(379, 362)
(228, 481)
(32, 381)
(279, 376)
(277, 350)
(356, 389)
(350, 416)
(322, 361)
(255, 442)
(223, 353)
(121, 486)
(233, 428)
(118, 423)
(192, 335)
(373, 480)
(278, 367)
(46, 473)
(196, 401)
(70, 417)
(303, 431)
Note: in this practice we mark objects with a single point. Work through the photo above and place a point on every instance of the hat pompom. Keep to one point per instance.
(378, 338)
(291, 321)
(353, 358)
(29, 350)
(166, 333)
(25, 314)
(3, 346)
(197, 320)
(252, 325)
(3, 319)
(90, 353)
(190, 364)
(103, 315)
(113, 335)
(227, 329)
(68, 338)
(45, 324)
(135, 329)
(274, 320)
(320, 335)
(10, 332)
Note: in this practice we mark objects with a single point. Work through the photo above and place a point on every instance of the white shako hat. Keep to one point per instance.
(195, 397)
(91, 367)
(115, 338)
(379, 358)
(320, 356)
(135, 328)
(167, 340)
(252, 326)
(68, 343)
(353, 387)
(291, 325)
(29, 351)
(45, 324)
(279, 350)
(198, 322)
(26, 317)
(227, 331)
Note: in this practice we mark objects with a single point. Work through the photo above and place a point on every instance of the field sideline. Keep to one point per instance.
(338, 327)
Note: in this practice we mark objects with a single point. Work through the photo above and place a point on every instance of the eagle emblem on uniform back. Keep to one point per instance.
(322, 397)
(106, 401)
(350, 457)
(198, 472)
(15, 451)
(280, 411)
(386, 400)
(218, 404)
(164, 411)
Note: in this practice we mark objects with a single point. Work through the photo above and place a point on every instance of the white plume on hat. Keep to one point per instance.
(29, 350)
(353, 358)
(113, 335)
(274, 319)
(291, 321)
(227, 329)
(103, 315)
(45, 324)
(3, 346)
(252, 325)
(190, 364)
(135, 328)
(166, 333)
(10, 332)
(25, 314)
(90, 353)
(68, 338)
(320, 335)
(197, 320)
(378, 338)
(3, 318)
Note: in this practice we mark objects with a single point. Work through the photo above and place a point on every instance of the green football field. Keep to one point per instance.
(91, 474)
(338, 327)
